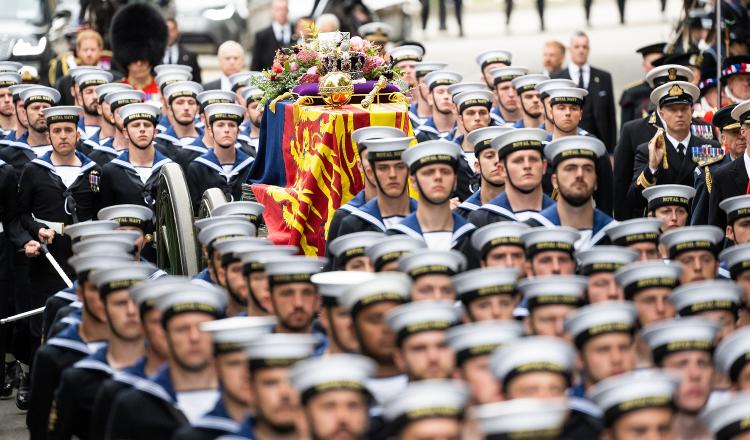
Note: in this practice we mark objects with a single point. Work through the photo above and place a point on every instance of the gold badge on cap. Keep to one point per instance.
(676, 91)
(672, 74)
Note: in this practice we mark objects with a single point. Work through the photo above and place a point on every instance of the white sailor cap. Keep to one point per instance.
(375, 132)
(180, 89)
(442, 78)
(558, 83)
(528, 418)
(233, 334)
(336, 372)
(496, 234)
(482, 138)
(528, 82)
(8, 79)
(677, 335)
(391, 249)
(736, 258)
(628, 392)
(164, 79)
(209, 97)
(692, 238)
(426, 399)
(422, 316)
(571, 147)
(279, 350)
(473, 98)
(706, 296)
(733, 353)
(668, 195)
(40, 94)
(332, 285)
(10, 66)
(198, 297)
(145, 294)
(424, 68)
(552, 238)
(430, 153)
(519, 139)
(125, 235)
(293, 269)
(224, 231)
(132, 112)
(494, 56)
(216, 220)
(599, 319)
(17, 89)
(120, 243)
(464, 86)
(376, 31)
(741, 112)
(508, 73)
(79, 230)
(675, 92)
(642, 275)
(532, 354)
(242, 79)
(225, 112)
(253, 211)
(604, 259)
(75, 72)
(255, 260)
(481, 338)
(729, 419)
(127, 215)
(430, 262)
(386, 148)
(637, 230)
(62, 113)
(553, 290)
(123, 276)
(736, 208)
(484, 282)
(567, 95)
(163, 68)
(407, 52)
(85, 262)
(93, 78)
(668, 72)
(346, 247)
(391, 287)
(251, 94)
(120, 98)
(230, 250)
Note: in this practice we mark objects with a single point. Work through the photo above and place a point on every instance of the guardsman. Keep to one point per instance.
(696, 249)
(187, 387)
(224, 167)
(442, 123)
(431, 272)
(532, 107)
(634, 101)
(113, 101)
(132, 177)
(202, 144)
(487, 294)
(86, 84)
(254, 271)
(574, 164)
(229, 273)
(670, 204)
(550, 250)
(498, 245)
(405, 58)
(508, 109)
(384, 255)
(550, 300)
(232, 413)
(521, 165)
(473, 108)
(540, 419)
(74, 398)
(182, 104)
(715, 300)
(599, 264)
(638, 234)
(736, 260)
(432, 167)
(421, 110)
(349, 251)
(8, 119)
(731, 180)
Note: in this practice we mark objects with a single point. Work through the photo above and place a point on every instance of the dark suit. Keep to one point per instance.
(729, 181)
(213, 85)
(598, 107)
(704, 185)
(188, 58)
(634, 101)
(264, 49)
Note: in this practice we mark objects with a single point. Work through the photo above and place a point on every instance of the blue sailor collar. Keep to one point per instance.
(241, 161)
(10, 136)
(96, 146)
(46, 162)
(197, 145)
(496, 116)
(23, 138)
(370, 212)
(138, 368)
(519, 124)
(218, 419)
(68, 293)
(163, 124)
(356, 202)
(70, 339)
(473, 202)
(410, 226)
(602, 222)
(501, 205)
(430, 127)
(96, 361)
(204, 276)
(160, 386)
(123, 160)
(580, 132)
(171, 136)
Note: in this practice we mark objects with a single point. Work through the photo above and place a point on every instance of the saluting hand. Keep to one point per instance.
(32, 248)
(46, 235)
(656, 149)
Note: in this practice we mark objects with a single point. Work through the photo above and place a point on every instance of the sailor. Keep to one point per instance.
(420, 110)
(276, 402)
(442, 122)
(232, 413)
(490, 60)
(113, 101)
(224, 167)
(540, 419)
(696, 249)
(508, 109)
(737, 218)
(256, 280)
(376, 32)
(432, 168)
(532, 108)
(384, 255)
(8, 192)
(731, 359)
(638, 234)
(599, 264)
(229, 272)
(498, 245)
(473, 109)
(135, 218)
(182, 104)
(349, 251)
(187, 387)
(74, 398)
(485, 169)
(85, 85)
(725, 420)
(574, 164)
(132, 177)
(550, 250)
(550, 300)
(715, 300)
(220, 229)
(544, 87)
(334, 395)
(431, 272)
(22, 122)
(473, 344)
(99, 147)
(735, 259)
(670, 204)
(405, 58)
(35, 142)
(202, 144)
(521, 165)
(487, 294)
(250, 129)
(634, 101)
(166, 75)
(252, 211)
(8, 119)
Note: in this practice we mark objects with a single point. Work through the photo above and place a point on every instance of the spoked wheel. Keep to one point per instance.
(176, 251)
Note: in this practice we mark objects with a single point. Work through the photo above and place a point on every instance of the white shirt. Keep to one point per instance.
(574, 71)
(384, 388)
(195, 404)
(674, 143)
(747, 163)
(471, 158)
(68, 174)
(438, 240)
(392, 220)
(171, 55)
(144, 173)
(41, 150)
(283, 32)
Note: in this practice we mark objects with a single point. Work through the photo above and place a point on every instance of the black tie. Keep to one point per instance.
(580, 78)
(681, 150)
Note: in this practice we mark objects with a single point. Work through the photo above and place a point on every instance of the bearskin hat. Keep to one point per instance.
(138, 33)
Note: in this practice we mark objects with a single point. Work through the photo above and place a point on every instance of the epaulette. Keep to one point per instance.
(652, 118)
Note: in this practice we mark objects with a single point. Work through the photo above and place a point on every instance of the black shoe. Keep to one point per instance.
(11, 380)
(22, 396)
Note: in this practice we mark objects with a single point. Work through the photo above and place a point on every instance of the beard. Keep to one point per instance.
(576, 200)
(39, 126)
(91, 110)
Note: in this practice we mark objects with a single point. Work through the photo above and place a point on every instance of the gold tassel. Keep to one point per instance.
(282, 97)
(709, 179)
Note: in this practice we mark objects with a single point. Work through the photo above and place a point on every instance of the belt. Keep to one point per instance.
(55, 226)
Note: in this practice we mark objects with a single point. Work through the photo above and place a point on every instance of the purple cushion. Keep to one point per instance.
(359, 89)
